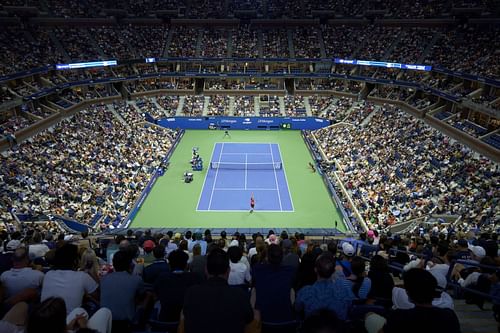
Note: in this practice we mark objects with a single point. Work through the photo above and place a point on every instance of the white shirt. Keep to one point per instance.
(238, 274)
(16, 280)
(69, 285)
(38, 250)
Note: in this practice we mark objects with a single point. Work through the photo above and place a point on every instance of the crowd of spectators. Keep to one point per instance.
(465, 48)
(193, 105)
(136, 280)
(85, 165)
(244, 106)
(218, 105)
(396, 168)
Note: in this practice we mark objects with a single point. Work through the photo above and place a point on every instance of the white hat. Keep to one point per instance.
(13, 245)
(348, 249)
(478, 251)
(234, 242)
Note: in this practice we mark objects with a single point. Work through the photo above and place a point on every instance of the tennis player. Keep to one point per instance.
(226, 133)
(252, 203)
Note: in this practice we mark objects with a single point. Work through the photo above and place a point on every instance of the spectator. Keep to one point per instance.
(171, 287)
(424, 317)
(239, 271)
(65, 282)
(290, 256)
(325, 293)
(6, 256)
(21, 283)
(197, 239)
(50, 316)
(232, 311)
(199, 262)
(382, 281)
(272, 278)
(360, 283)
(37, 249)
(322, 321)
(147, 258)
(89, 264)
(157, 267)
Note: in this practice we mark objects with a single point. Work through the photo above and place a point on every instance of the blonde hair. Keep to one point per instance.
(89, 263)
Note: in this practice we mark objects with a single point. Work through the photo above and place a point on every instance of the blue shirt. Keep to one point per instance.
(118, 291)
(202, 243)
(333, 295)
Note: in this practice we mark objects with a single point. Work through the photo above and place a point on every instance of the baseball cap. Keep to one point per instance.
(177, 235)
(13, 245)
(348, 249)
(234, 242)
(148, 245)
(478, 251)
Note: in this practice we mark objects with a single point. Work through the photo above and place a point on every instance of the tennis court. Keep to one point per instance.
(238, 170)
(175, 205)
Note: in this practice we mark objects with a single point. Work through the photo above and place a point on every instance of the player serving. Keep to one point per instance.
(252, 203)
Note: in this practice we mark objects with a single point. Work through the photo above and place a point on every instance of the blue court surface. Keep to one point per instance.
(238, 170)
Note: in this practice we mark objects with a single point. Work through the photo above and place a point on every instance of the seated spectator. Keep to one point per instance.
(21, 283)
(6, 256)
(65, 282)
(119, 291)
(89, 264)
(325, 293)
(272, 278)
(170, 287)
(322, 321)
(157, 267)
(360, 283)
(50, 316)
(240, 271)
(348, 253)
(424, 317)
(232, 311)
(37, 249)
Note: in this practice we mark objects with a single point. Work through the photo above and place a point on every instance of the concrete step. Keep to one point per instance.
(181, 105)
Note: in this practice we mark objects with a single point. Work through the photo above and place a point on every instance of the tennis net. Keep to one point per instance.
(245, 166)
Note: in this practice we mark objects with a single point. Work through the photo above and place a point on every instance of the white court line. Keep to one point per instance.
(286, 179)
(246, 170)
(205, 180)
(243, 189)
(245, 154)
(275, 176)
(215, 178)
(243, 211)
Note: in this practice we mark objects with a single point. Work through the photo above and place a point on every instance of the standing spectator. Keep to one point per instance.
(232, 311)
(65, 282)
(148, 256)
(382, 281)
(158, 266)
(21, 283)
(240, 272)
(290, 257)
(119, 291)
(199, 262)
(170, 287)
(274, 279)
(198, 240)
(325, 293)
